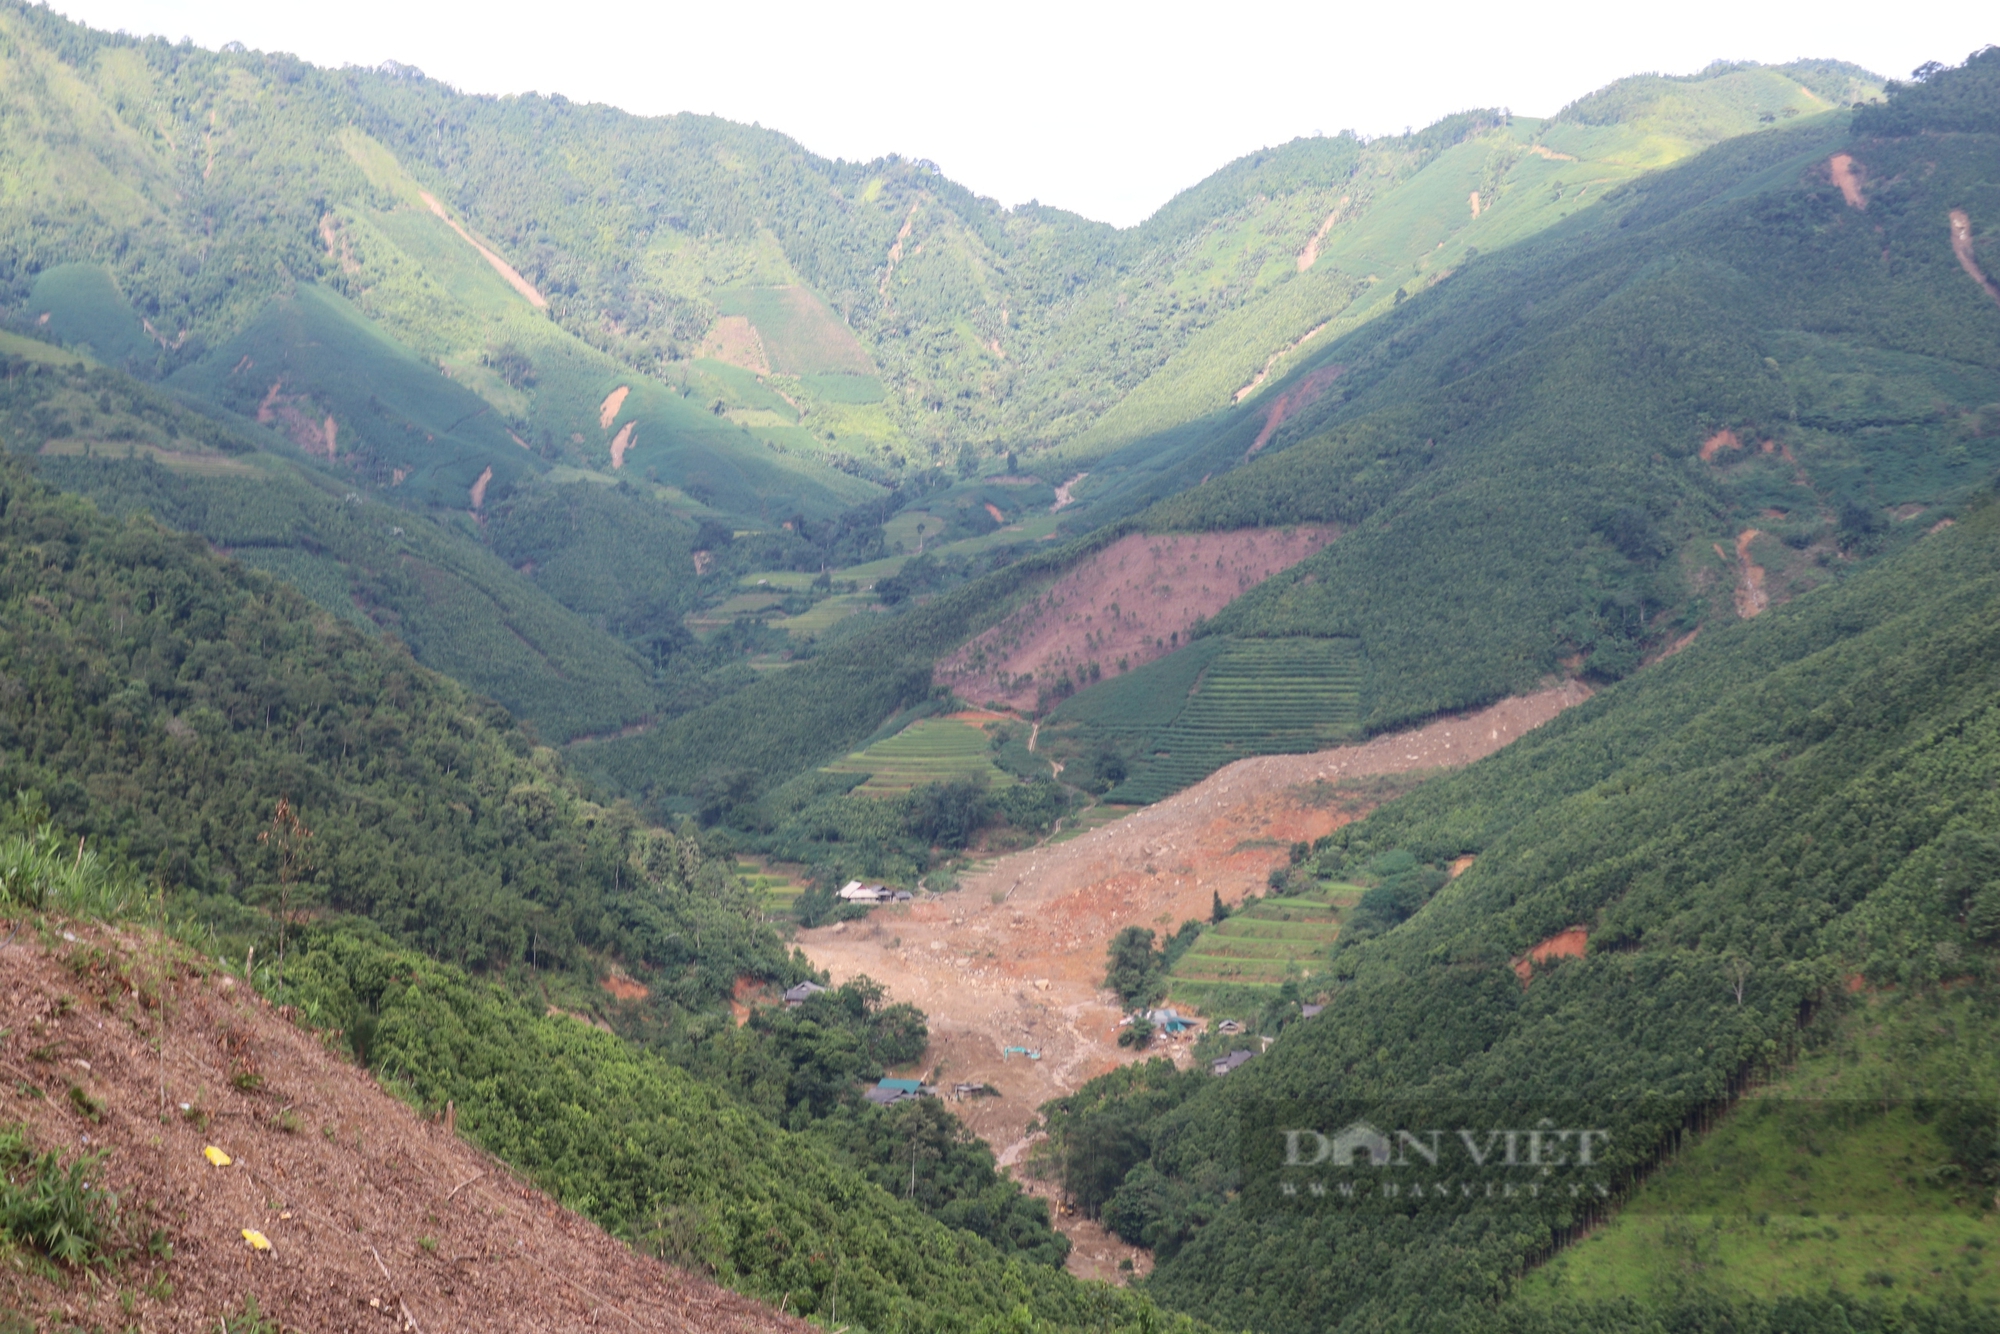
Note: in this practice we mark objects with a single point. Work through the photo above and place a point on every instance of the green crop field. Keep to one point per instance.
(778, 889)
(853, 390)
(80, 306)
(730, 608)
(930, 750)
(1221, 700)
(800, 332)
(826, 613)
(29, 349)
(911, 528)
(1247, 957)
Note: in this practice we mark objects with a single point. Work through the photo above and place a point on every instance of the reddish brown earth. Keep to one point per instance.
(1310, 255)
(1841, 168)
(1063, 497)
(733, 339)
(1751, 595)
(1961, 246)
(348, 1195)
(626, 988)
(500, 266)
(1299, 398)
(1569, 943)
(607, 411)
(1133, 602)
(1264, 373)
(1015, 958)
(896, 250)
(620, 444)
(477, 495)
(302, 429)
(1718, 442)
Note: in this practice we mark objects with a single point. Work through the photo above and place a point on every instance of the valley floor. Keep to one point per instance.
(1016, 958)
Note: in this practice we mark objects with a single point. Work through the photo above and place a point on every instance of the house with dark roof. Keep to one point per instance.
(1231, 1061)
(800, 994)
(888, 1092)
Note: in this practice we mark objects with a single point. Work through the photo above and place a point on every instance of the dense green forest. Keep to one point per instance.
(1788, 810)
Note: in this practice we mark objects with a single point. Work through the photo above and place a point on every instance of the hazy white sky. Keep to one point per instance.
(1105, 108)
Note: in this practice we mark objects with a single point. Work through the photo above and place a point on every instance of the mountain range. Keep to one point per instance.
(557, 507)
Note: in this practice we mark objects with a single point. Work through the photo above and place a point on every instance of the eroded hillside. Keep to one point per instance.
(374, 1217)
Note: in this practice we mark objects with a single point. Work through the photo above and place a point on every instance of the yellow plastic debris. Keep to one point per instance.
(258, 1241)
(216, 1156)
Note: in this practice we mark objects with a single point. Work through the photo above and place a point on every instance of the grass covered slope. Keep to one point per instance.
(1788, 803)
(1846, 1165)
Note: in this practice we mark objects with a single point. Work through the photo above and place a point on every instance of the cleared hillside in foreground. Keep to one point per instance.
(370, 1209)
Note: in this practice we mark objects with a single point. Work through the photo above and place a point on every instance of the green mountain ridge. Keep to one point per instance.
(465, 302)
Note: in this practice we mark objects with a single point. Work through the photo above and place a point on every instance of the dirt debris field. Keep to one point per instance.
(1016, 957)
(1132, 601)
(347, 1183)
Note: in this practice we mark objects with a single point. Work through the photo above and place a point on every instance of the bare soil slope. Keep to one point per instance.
(1016, 957)
(377, 1219)
(1126, 605)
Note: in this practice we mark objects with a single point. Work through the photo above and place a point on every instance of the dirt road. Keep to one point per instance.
(1016, 957)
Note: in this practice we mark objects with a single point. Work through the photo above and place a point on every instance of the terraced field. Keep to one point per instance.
(780, 891)
(1256, 950)
(740, 604)
(826, 613)
(1091, 818)
(1255, 697)
(930, 750)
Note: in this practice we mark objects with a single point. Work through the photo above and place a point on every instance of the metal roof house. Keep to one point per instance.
(888, 1092)
(856, 892)
(800, 994)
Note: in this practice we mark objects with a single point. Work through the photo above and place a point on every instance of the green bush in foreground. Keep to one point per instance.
(57, 1211)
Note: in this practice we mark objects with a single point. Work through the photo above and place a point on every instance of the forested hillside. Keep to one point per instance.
(306, 798)
(436, 587)
(1750, 836)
